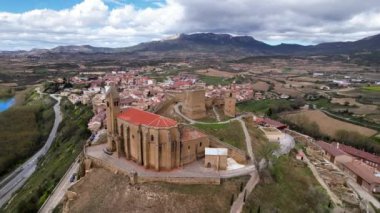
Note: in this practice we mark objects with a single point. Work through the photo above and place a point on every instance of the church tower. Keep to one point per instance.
(112, 110)
(230, 104)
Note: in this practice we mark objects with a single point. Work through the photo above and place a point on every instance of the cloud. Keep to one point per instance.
(93, 22)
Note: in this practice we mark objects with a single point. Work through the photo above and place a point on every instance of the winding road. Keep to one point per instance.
(14, 181)
(254, 179)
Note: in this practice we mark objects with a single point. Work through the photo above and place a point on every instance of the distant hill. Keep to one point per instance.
(216, 44)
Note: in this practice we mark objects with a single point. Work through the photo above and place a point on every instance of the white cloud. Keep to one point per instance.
(93, 22)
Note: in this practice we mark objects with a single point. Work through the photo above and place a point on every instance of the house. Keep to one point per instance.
(365, 157)
(333, 154)
(216, 158)
(269, 122)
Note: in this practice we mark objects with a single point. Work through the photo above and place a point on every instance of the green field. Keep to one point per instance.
(262, 106)
(212, 80)
(231, 133)
(24, 129)
(372, 88)
(289, 187)
(72, 134)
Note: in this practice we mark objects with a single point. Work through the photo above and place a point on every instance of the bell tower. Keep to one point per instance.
(112, 110)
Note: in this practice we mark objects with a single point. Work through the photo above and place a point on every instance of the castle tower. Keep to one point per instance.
(112, 110)
(230, 104)
(194, 105)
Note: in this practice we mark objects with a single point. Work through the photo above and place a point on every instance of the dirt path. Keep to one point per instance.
(238, 204)
(216, 114)
(333, 196)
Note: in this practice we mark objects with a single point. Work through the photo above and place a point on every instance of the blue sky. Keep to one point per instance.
(19, 6)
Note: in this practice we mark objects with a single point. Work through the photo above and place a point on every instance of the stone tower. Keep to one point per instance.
(194, 105)
(112, 110)
(230, 104)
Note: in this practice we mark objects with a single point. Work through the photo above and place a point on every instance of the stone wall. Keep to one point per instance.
(182, 180)
(143, 179)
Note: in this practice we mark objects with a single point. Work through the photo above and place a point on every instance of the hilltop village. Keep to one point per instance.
(152, 130)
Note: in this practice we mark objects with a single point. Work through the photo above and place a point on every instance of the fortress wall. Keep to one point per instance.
(181, 180)
(143, 179)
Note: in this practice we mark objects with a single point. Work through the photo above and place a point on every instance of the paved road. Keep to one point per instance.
(16, 179)
(60, 189)
(248, 139)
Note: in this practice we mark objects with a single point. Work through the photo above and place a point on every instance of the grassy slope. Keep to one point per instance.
(219, 203)
(24, 128)
(294, 189)
(119, 196)
(71, 136)
(231, 133)
(262, 106)
(293, 185)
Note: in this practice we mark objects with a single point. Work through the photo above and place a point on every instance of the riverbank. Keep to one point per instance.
(23, 128)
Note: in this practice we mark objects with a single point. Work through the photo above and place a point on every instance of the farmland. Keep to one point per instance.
(328, 126)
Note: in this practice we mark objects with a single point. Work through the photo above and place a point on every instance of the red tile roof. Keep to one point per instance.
(332, 150)
(139, 117)
(358, 153)
(364, 171)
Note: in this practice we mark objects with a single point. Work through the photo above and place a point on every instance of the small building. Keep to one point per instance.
(273, 134)
(333, 154)
(216, 158)
(269, 122)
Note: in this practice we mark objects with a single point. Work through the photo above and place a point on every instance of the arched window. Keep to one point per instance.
(151, 138)
(200, 144)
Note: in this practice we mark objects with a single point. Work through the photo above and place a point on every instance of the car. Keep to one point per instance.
(73, 177)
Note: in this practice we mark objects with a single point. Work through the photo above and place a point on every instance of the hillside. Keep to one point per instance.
(200, 44)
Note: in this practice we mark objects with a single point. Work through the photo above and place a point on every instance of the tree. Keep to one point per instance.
(269, 112)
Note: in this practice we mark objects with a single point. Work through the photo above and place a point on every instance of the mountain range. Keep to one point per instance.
(216, 44)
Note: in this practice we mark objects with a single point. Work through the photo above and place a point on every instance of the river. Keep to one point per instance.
(6, 104)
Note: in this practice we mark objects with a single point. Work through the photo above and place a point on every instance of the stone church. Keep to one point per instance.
(151, 140)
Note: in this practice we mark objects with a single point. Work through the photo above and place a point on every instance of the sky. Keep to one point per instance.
(28, 24)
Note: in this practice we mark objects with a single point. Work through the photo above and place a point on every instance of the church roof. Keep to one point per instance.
(139, 117)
